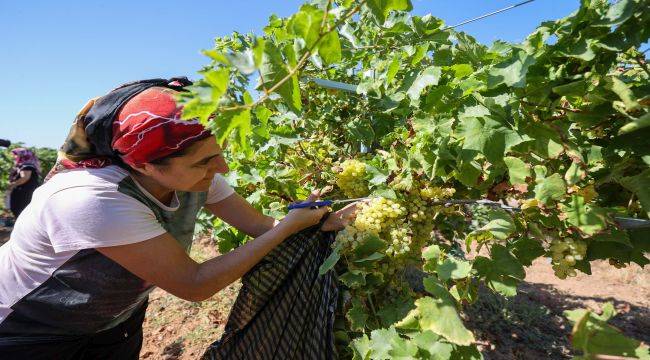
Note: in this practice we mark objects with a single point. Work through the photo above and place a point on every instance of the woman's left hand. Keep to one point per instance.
(339, 219)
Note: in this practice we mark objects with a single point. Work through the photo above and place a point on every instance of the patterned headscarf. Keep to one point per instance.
(25, 157)
(136, 123)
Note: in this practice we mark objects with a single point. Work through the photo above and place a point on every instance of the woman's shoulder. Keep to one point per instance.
(110, 176)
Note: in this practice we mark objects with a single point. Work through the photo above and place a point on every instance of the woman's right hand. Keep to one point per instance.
(300, 219)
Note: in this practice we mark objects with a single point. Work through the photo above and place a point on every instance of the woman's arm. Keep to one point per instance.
(237, 212)
(240, 214)
(163, 262)
(25, 175)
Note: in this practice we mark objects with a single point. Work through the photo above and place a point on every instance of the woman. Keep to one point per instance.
(23, 179)
(115, 219)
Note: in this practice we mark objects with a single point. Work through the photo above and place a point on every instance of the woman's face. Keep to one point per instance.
(193, 171)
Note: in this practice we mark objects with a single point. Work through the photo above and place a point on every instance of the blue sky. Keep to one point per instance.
(57, 54)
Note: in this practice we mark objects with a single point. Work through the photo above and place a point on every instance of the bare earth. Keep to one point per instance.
(530, 326)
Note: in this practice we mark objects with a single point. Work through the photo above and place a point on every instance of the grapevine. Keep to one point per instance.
(555, 126)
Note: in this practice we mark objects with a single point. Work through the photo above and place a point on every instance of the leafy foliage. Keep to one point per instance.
(556, 125)
(593, 336)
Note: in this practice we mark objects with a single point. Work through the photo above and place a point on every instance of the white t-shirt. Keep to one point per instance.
(54, 239)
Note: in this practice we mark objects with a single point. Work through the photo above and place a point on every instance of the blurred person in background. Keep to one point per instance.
(24, 178)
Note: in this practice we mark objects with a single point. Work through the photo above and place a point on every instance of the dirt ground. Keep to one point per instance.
(530, 326)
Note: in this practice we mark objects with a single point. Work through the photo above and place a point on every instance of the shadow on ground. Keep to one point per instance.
(531, 325)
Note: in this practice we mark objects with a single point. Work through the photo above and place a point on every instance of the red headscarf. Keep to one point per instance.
(138, 123)
(149, 127)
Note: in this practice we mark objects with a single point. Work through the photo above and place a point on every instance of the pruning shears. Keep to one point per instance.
(320, 203)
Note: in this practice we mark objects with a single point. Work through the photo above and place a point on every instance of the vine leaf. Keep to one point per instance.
(357, 316)
(511, 72)
(594, 336)
(589, 219)
(640, 186)
(427, 77)
(331, 260)
(272, 70)
(550, 188)
(518, 171)
(439, 314)
(453, 268)
(381, 8)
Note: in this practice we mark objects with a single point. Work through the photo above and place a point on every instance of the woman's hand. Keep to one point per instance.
(340, 219)
(300, 219)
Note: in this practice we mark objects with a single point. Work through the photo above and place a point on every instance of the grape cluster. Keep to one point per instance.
(565, 253)
(352, 179)
(379, 215)
(349, 237)
(436, 193)
(400, 241)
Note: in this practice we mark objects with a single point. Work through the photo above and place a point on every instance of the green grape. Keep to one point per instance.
(400, 241)
(564, 254)
(436, 193)
(352, 179)
(378, 215)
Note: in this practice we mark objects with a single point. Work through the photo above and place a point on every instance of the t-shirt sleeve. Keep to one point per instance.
(219, 190)
(83, 218)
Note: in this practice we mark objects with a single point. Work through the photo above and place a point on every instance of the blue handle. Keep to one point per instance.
(309, 204)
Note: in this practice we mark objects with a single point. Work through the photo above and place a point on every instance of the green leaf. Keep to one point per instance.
(453, 268)
(243, 61)
(369, 245)
(580, 50)
(589, 219)
(488, 136)
(574, 174)
(228, 121)
(306, 24)
(461, 70)
(381, 8)
(393, 68)
(329, 48)
(500, 225)
(550, 188)
(575, 88)
(331, 260)
(381, 342)
(357, 316)
(431, 255)
(640, 186)
(196, 109)
(518, 171)
(353, 278)
(440, 315)
(373, 257)
(218, 80)
(624, 92)
(506, 263)
(395, 309)
(511, 72)
(592, 335)
(427, 77)
(527, 249)
(273, 70)
(618, 13)
(361, 348)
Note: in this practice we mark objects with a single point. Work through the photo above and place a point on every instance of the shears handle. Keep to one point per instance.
(309, 204)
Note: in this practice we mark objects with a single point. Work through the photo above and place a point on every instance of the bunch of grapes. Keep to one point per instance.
(378, 215)
(349, 238)
(352, 179)
(436, 193)
(399, 241)
(565, 253)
